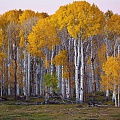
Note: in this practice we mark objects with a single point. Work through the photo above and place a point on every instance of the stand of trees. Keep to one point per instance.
(74, 52)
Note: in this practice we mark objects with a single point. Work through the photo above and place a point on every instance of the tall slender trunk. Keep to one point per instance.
(63, 85)
(18, 89)
(119, 79)
(18, 86)
(34, 78)
(114, 94)
(41, 78)
(52, 55)
(15, 67)
(24, 71)
(59, 76)
(9, 91)
(8, 58)
(85, 87)
(81, 72)
(28, 74)
(107, 91)
(114, 91)
(92, 72)
(1, 91)
(76, 60)
(67, 89)
(51, 69)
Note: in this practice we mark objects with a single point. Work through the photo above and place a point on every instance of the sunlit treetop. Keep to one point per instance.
(80, 18)
(114, 24)
(108, 15)
(111, 67)
(41, 15)
(43, 35)
(10, 16)
(26, 15)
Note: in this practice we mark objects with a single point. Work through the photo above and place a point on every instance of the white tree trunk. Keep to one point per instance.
(76, 60)
(107, 91)
(18, 89)
(114, 92)
(67, 89)
(82, 73)
(41, 79)
(119, 79)
(36, 79)
(9, 58)
(59, 77)
(24, 71)
(51, 70)
(92, 71)
(119, 91)
(28, 74)
(1, 91)
(63, 84)
(114, 98)
(9, 91)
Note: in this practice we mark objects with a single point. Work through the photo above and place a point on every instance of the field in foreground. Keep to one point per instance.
(57, 112)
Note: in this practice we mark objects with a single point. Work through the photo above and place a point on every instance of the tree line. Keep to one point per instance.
(73, 52)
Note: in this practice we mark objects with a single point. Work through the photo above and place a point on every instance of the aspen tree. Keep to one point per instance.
(42, 41)
(78, 19)
(111, 69)
(114, 29)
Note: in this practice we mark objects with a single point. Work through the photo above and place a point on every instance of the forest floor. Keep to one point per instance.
(58, 112)
(11, 109)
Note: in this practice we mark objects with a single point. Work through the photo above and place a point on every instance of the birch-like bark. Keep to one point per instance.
(41, 78)
(26, 77)
(34, 74)
(63, 84)
(82, 73)
(59, 76)
(15, 67)
(67, 89)
(107, 91)
(24, 71)
(119, 79)
(76, 62)
(18, 89)
(92, 71)
(28, 74)
(51, 69)
(114, 92)
(8, 58)
(36, 79)
(9, 91)
(1, 90)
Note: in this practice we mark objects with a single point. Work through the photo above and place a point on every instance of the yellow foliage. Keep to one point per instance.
(46, 64)
(80, 18)
(43, 35)
(102, 54)
(27, 14)
(61, 58)
(111, 70)
(114, 24)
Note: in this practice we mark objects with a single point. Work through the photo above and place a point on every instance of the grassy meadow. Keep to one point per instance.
(58, 112)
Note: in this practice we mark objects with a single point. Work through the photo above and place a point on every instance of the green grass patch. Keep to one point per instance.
(57, 112)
